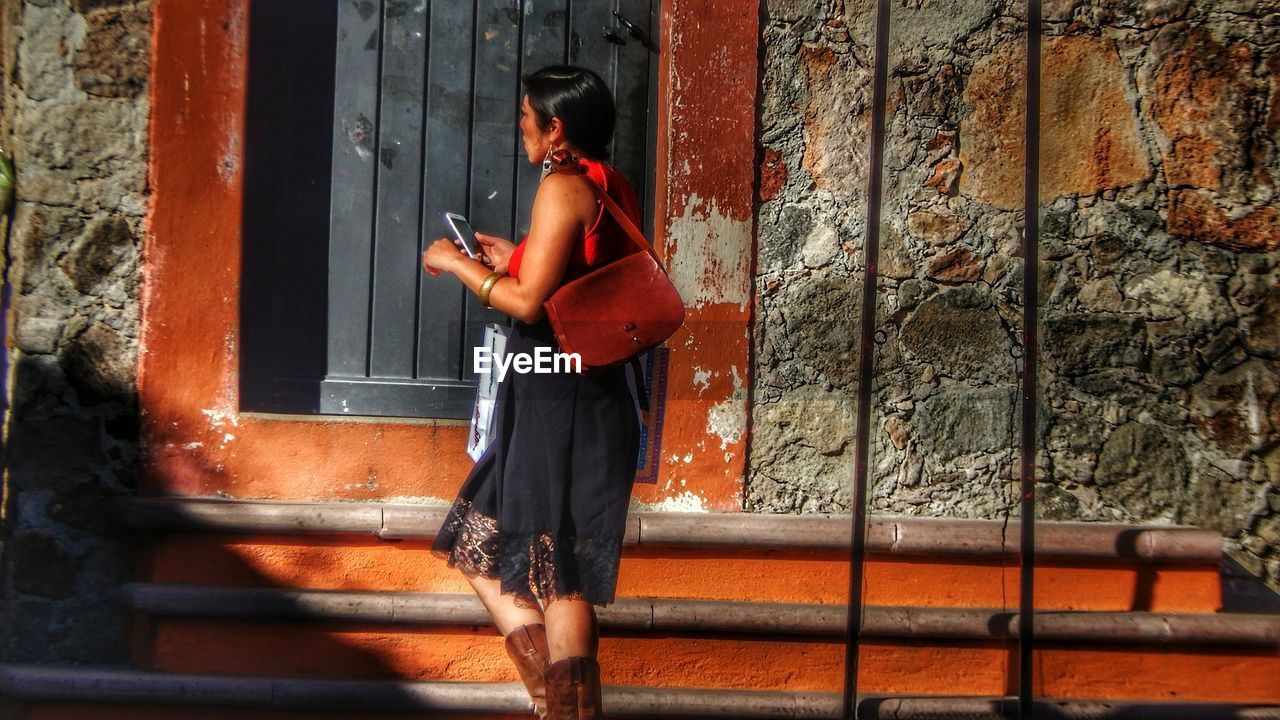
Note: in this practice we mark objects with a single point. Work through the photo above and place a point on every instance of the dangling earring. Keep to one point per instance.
(558, 159)
(546, 165)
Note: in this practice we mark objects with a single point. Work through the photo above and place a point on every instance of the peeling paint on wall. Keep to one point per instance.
(220, 418)
(712, 258)
(727, 419)
(702, 379)
(684, 502)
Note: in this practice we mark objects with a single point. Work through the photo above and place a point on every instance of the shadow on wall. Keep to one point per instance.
(287, 174)
(71, 448)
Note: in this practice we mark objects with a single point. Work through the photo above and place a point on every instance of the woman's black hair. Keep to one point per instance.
(582, 102)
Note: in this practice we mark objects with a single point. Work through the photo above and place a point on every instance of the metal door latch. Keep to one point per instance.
(615, 36)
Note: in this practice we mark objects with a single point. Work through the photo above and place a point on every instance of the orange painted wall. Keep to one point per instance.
(706, 158)
(792, 576)
(196, 442)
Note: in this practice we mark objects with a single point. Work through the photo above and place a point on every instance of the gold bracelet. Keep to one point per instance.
(486, 287)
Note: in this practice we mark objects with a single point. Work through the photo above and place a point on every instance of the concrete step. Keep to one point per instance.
(714, 556)
(45, 693)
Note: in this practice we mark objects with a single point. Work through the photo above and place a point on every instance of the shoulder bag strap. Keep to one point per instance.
(633, 232)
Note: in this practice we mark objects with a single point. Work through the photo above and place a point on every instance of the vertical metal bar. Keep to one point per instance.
(351, 223)
(630, 78)
(866, 364)
(650, 200)
(543, 41)
(517, 145)
(373, 199)
(495, 144)
(1030, 353)
(398, 206)
(446, 154)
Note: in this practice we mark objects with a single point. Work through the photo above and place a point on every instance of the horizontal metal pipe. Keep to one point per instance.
(886, 535)
(46, 684)
(718, 616)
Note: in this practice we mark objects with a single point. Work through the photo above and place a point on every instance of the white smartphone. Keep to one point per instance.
(461, 229)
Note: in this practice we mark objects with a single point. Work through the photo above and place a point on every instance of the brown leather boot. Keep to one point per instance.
(527, 646)
(573, 689)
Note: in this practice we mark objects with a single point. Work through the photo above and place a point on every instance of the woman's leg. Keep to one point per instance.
(573, 676)
(572, 629)
(524, 637)
(502, 608)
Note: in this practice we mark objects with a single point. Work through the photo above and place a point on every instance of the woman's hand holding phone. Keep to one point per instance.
(497, 251)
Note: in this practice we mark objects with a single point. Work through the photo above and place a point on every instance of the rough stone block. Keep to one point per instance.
(39, 335)
(1056, 503)
(1253, 282)
(793, 10)
(1201, 96)
(1141, 469)
(961, 335)
(946, 176)
(56, 451)
(1261, 330)
(1174, 364)
(773, 174)
(1239, 409)
(936, 228)
(87, 6)
(895, 260)
(921, 30)
(954, 266)
(94, 632)
(1090, 142)
(95, 255)
(811, 322)
(1217, 501)
(40, 236)
(1089, 131)
(781, 242)
(40, 566)
(1269, 530)
(30, 640)
(1167, 294)
(89, 138)
(100, 365)
(47, 188)
(934, 95)
(837, 122)
(1141, 13)
(1101, 295)
(83, 507)
(42, 55)
(114, 60)
(1080, 343)
(991, 135)
(1195, 215)
(965, 421)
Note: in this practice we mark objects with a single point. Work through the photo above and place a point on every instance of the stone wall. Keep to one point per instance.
(1159, 273)
(74, 116)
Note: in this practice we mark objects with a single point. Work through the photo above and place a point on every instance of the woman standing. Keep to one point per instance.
(537, 526)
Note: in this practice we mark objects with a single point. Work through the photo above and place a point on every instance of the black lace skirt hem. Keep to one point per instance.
(534, 568)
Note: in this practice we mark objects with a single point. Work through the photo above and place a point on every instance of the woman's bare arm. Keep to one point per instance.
(562, 210)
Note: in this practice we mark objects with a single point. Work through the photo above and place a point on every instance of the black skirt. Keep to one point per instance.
(544, 508)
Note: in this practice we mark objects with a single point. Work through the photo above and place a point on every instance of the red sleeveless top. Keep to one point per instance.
(606, 240)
